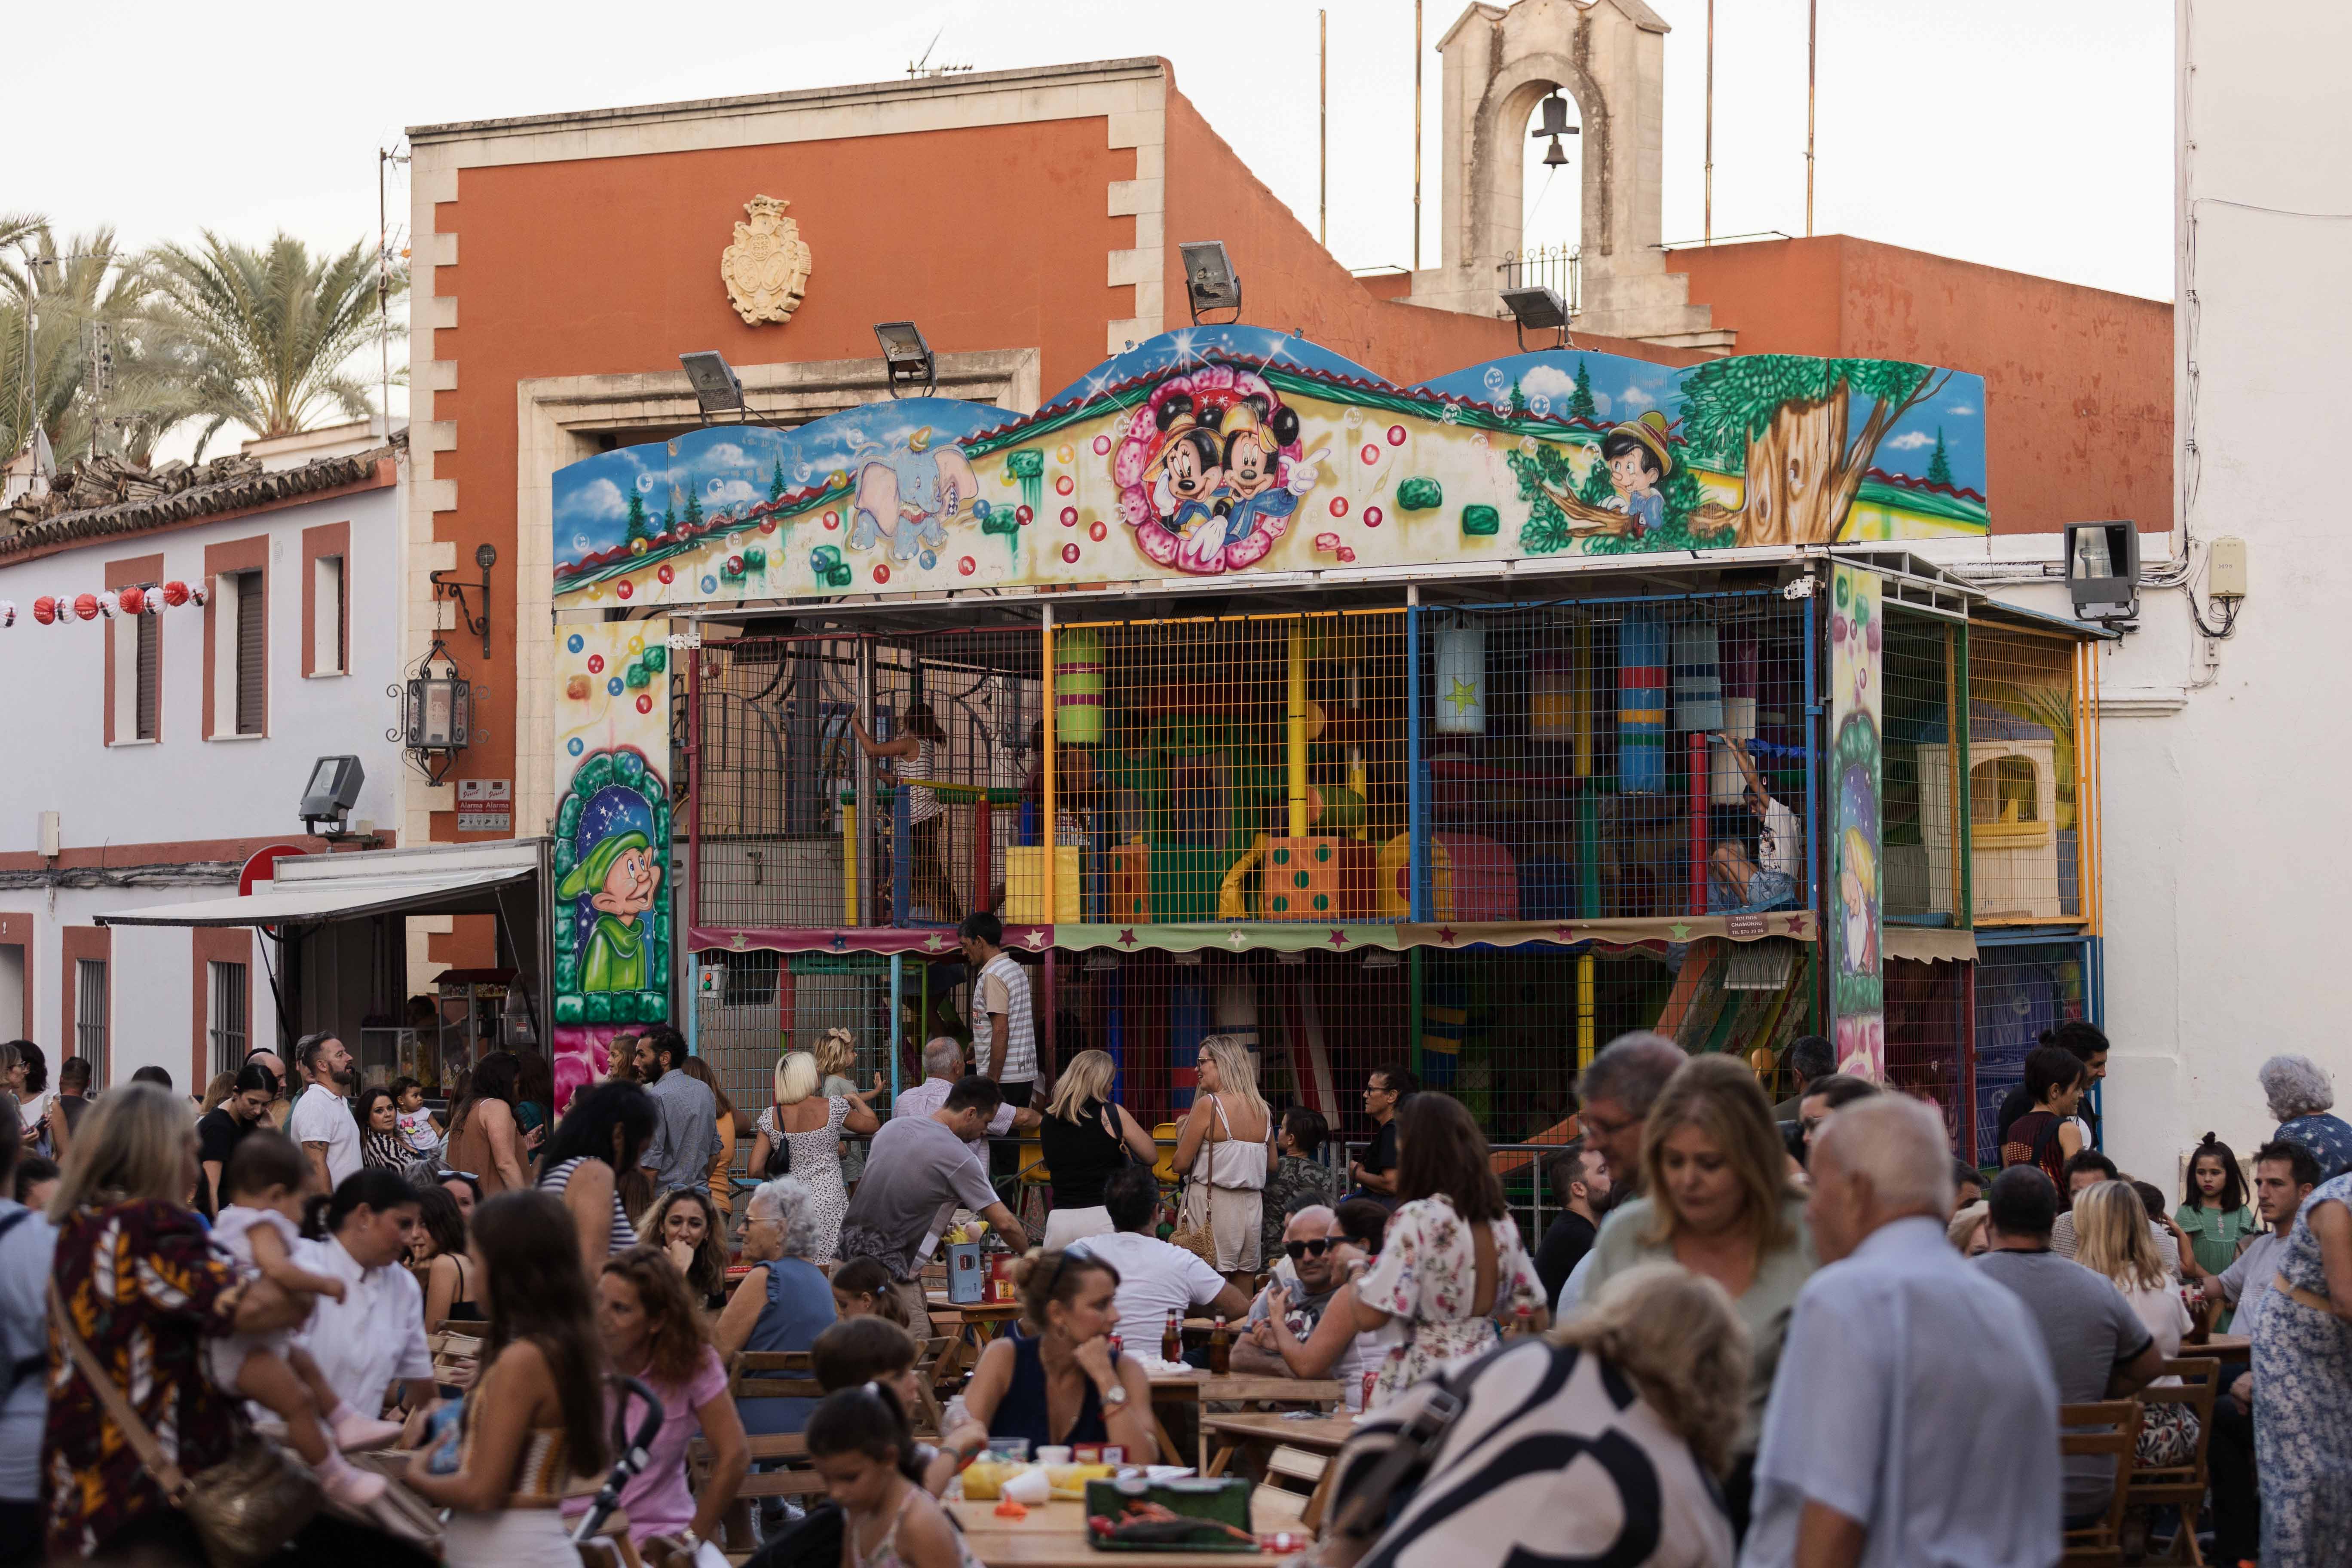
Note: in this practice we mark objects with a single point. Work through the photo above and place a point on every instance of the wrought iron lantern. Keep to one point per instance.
(436, 720)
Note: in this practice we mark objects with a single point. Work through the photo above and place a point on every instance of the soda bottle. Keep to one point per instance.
(1171, 1343)
(1221, 1350)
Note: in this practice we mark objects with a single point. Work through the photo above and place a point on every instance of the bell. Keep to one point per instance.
(1553, 156)
(1554, 120)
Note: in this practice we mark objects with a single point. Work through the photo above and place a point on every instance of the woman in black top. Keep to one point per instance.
(1085, 1138)
(220, 1130)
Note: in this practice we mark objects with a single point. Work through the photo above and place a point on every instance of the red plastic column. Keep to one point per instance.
(984, 848)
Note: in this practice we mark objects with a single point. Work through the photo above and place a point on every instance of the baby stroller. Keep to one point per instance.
(634, 1451)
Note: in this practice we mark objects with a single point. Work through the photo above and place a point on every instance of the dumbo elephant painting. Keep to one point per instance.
(909, 495)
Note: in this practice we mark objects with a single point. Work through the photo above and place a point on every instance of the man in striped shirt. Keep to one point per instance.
(1004, 1037)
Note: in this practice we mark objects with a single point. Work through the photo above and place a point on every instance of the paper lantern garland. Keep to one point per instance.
(148, 599)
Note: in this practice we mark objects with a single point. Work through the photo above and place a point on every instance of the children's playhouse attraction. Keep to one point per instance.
(1465, 724)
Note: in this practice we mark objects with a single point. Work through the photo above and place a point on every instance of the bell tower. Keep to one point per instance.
(1608, 56)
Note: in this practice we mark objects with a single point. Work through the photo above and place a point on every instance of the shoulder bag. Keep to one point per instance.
(245, 1509)
(780, 1147)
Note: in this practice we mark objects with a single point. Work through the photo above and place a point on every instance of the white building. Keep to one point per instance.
(2224, 852)
(156, 753)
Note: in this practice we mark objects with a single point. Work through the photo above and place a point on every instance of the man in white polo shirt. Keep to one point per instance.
(373, 1337)
(322, 1122)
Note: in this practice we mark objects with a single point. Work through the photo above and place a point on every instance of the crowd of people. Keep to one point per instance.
(1784, 1333)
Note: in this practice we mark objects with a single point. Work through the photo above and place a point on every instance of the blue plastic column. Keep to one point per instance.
(902, 857)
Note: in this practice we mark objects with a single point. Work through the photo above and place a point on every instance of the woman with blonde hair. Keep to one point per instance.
(1230, 1123)
(800, 1136)
(1966, 1231)
(1673, 1336)
(2112, 1239)
(1087, 1138)
(836, 1064)
(1716, 1199)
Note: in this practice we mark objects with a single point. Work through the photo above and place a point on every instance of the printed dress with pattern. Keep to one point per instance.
(2302, 1408)
(145, 1290)
(1427, 1281)
(816, 1162)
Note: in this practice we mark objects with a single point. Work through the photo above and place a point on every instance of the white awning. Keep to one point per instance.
(452, 879)
(1929, 944)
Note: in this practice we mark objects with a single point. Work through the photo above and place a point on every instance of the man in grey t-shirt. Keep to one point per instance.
(2098, 1347)
(685, 1116)
(916, 1167)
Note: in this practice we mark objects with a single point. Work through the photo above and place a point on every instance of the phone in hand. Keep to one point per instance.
(442, 1430)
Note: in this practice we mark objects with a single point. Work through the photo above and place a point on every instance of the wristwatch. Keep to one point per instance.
(1115, 1396)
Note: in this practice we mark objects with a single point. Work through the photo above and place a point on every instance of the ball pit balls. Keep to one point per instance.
(646, 703)
(1102, 445)
(881, 573)
(1070, 553)
(1371, 517)
(1396, 435)
(1371, 454)
(576, 689)
(573, 746)
(574, 643)
(1097, 532)
(967, 566)
(666, 574)
(1022, 515)
(624, 588)
(1069, 517)
(612, 686)
(1339, 505)
(1065, 485)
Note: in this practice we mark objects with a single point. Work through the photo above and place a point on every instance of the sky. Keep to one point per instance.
(2010, 133)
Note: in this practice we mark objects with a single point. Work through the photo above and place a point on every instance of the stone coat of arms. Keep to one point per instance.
(766, 270)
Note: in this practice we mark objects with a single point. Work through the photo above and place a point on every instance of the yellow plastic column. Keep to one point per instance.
(1050, 837)
(1297, 728)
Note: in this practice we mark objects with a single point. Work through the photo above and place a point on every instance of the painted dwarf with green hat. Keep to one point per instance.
(618, 878)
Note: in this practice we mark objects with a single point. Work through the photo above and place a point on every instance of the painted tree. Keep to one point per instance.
(669, 520)
(776, 482)
(1580, 402)
(693, 518)
(1939, 466)
(1597, 487)
(638, 528)
(1789, 415)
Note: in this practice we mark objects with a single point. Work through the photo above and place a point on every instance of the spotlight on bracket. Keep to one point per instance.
(1209, 282)
(714, 382)
(1536, 307)
(906, 357)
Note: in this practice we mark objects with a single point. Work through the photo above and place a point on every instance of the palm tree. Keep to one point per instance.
(56, 295)
(264, 337)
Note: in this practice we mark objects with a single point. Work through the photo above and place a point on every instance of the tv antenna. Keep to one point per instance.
(923, 67)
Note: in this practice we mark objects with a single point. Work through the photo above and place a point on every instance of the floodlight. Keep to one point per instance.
(1537, 306)
(1209, 282)
(2103, 570)
(906, 357)
(714, 385)
(334, 789)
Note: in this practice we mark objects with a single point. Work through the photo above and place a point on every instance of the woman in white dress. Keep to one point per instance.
(800, 1136)
(1226, 1147)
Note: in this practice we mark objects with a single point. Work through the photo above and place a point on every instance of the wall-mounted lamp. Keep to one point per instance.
(1210, 281)
(906, 357)
(2103, 570)
(485, 556)
(328, 798)
(436, 712)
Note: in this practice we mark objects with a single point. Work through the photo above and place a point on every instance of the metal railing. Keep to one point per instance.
(1560, 268)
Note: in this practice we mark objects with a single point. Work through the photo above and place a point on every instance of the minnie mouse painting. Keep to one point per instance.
(1210, 472)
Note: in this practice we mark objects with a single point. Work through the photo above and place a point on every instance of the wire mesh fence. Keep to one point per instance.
(2024, 828)
(1927, 1040)
(1925, 796)
(2021, 989)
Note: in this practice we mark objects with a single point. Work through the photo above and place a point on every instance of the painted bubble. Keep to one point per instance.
(612, 686)
(1070, 553)
(1396, 435)
(645, 703)
(1339, 505)
(579, 542)
(1065, 485)
(1022, 515)
(1495, 380)
(595, 663)
(1069, 517)
(929, 559)
(574, 643)
(833, 520)
(666, 574)
(1539, 406)
(1102, 444)
(636, 645)
(1371, 454)
(573, 746)
(967, 566)
(646, 481)
(881, 573)
(1065, 453)
(1097, 532)
(1371, 517)
(709, 584)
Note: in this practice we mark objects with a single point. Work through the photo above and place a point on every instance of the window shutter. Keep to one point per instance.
(150, 646)
(252, 712)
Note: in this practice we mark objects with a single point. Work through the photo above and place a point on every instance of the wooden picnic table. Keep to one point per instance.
(1203, 1388)
(976, 1323)
(1238, 1429)
(1054, 1535)
(2225, 1347)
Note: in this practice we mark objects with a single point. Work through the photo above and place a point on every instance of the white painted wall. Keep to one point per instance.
(124, 798)
(2228, 827)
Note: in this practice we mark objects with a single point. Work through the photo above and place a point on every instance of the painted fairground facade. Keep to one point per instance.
(1467, 723)
(1231, 450)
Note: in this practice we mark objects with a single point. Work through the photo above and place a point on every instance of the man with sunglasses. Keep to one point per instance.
(1295, 1332)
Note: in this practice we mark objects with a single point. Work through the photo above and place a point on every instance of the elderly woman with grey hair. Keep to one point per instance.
(785, 1302)
(2301, 1096)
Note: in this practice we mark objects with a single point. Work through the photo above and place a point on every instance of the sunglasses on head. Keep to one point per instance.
(1298, 1249)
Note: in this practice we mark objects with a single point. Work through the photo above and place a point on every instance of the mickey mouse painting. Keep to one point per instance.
(1211, 474)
